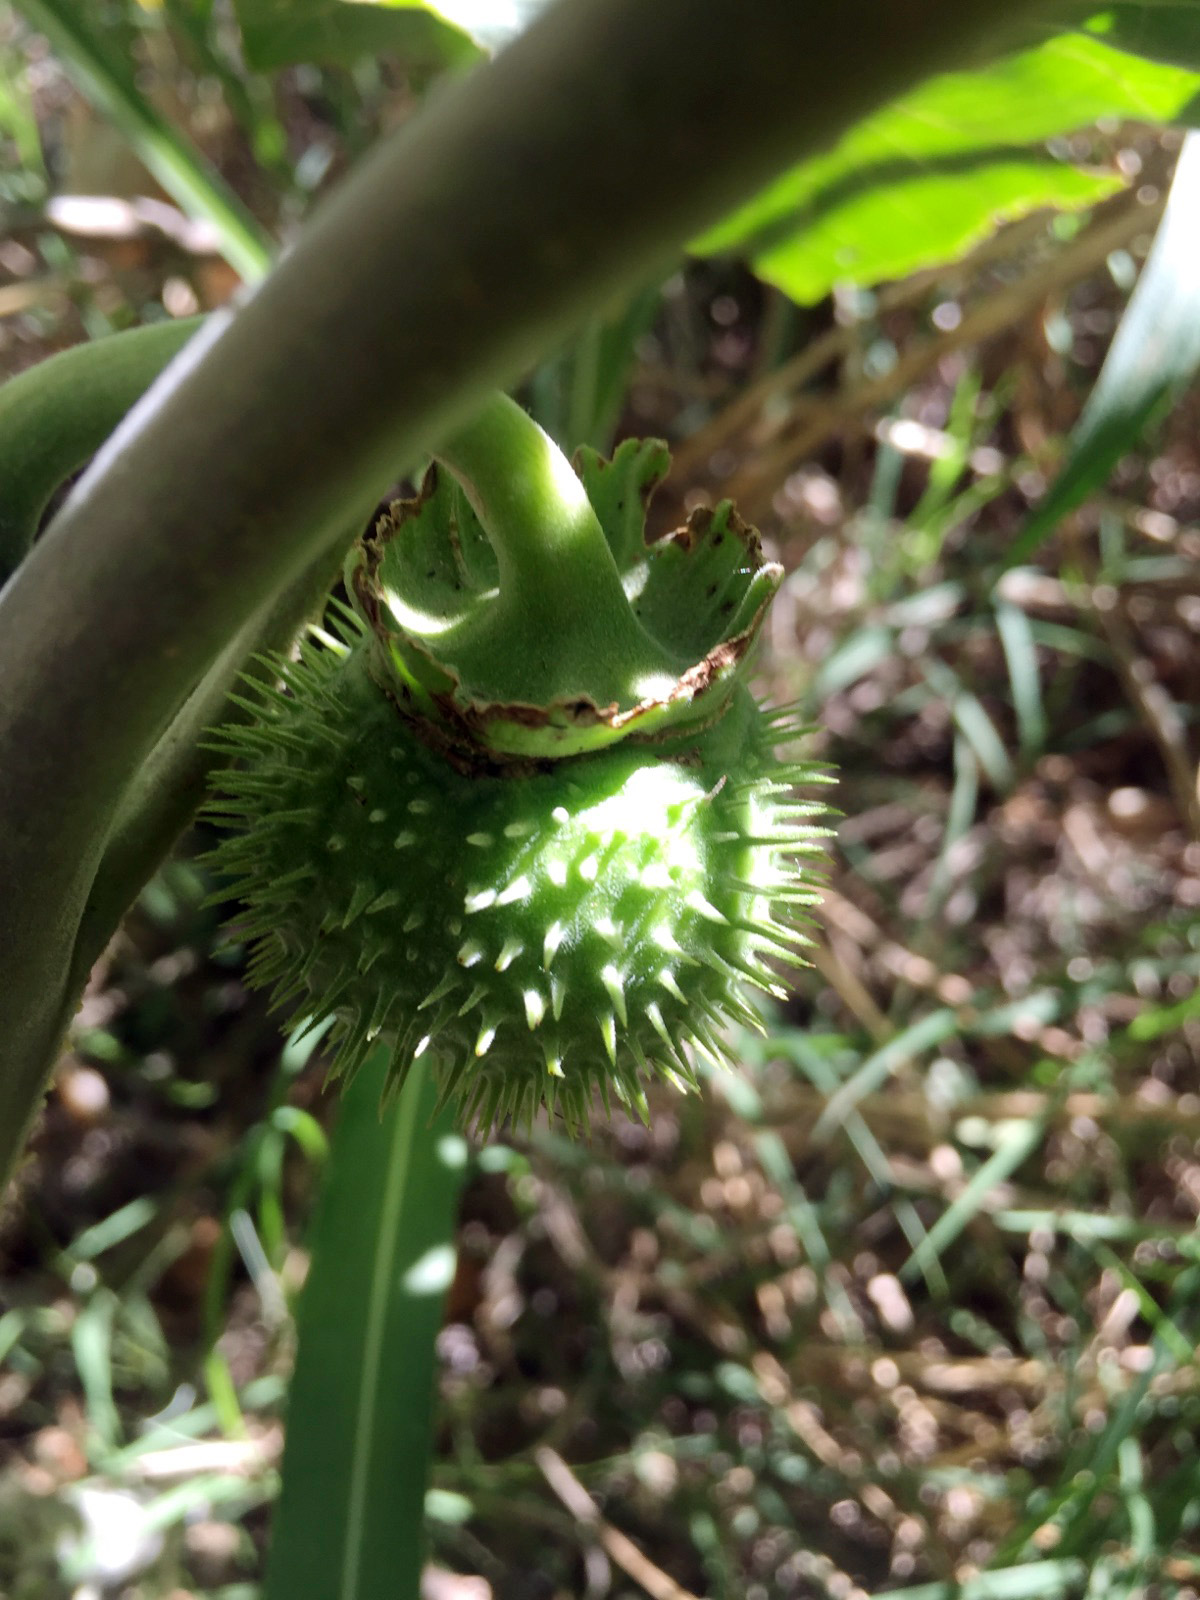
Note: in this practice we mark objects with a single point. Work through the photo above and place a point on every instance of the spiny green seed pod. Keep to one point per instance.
(523, 814)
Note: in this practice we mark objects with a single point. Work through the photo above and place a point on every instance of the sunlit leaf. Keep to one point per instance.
(933, 174)
(426, 35)
(282, 33)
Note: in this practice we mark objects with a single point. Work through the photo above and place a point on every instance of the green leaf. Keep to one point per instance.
(1157, 1020)
(110, 82)
(1017, 1144)
(282, 33)
(1161, 30)
(1153, 356)
(930, 176)
(1036, 1580)
(350, 1519)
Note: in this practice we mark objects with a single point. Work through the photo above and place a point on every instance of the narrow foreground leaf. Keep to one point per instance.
(111, 84)
(1035, 1580)
(1152, 358)
(349, 1524)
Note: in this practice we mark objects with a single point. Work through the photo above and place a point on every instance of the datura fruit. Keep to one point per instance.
(521, 813)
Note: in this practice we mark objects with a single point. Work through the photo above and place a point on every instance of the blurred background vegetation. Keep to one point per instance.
(911, 1302)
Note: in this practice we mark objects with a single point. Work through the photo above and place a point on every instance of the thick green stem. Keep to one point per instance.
(52, 419)
(59, 413)
(174, 778)
(529, 500)
(160, 803)
(549, 181)
(561, 626)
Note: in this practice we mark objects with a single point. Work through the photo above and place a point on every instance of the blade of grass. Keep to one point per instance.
(1181, 1347)
(1020, 653)
(964, 799)
(803, 1216)
(924, 1034)
(945, 470)
(112, 1230)
(1157, 1020)
(1017, 1144)
(795, 1046)
(223, 1396)
(18, 120)
(1152, 358)
(91, 1345)
(111, 86)
(260, 1394)
(1085, 1471)
(973, 723)
(350, 1520)
(1036, 1580)
(1086, 1226)
(1138, 1509)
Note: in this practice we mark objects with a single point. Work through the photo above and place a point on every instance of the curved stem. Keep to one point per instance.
(160, 804)
(468, 244)
(174, 778)
(527, 496)
(561, 605)
(58, 414)
(52, 419)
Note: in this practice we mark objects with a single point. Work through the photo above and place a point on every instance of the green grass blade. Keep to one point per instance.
(973, 723)
(960, 816)
(18, 121)
(1020, 654)
(1035, 1580)
(1017, 1144)
(1085, 1227)
(191, 181)
(796, 1047)
(112, 1230)
(1152, 358)
(91, 1343)
(925, 1034)
(349, 1524)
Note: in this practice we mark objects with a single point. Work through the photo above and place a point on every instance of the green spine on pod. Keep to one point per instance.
(522, 814)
